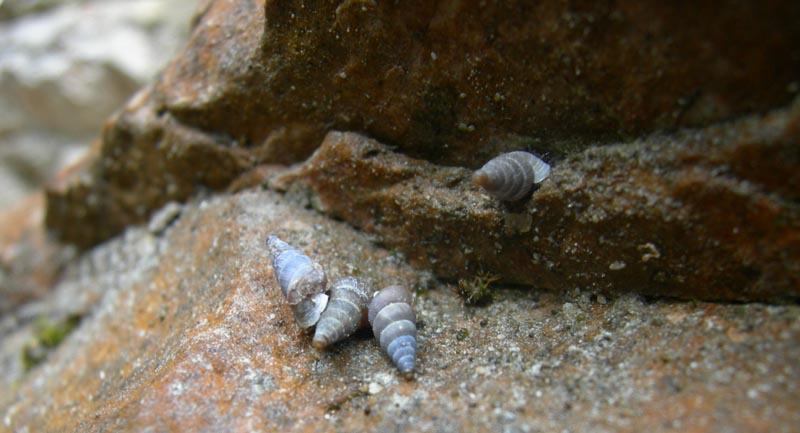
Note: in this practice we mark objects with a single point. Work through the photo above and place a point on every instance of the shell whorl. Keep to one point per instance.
(303, 282)
(345, 312)
(395, 326)
(511, 176)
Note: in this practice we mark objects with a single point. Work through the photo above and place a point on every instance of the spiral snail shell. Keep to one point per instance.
(345, 313)
(394, 325)
(302, 281)
(511, 176)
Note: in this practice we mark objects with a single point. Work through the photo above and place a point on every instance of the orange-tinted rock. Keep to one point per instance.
(449, 82)
(453, 81)
(144, 159)
(185, 329)
(30, 262)
(705, 214)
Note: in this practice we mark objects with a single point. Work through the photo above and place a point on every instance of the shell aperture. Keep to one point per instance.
(302, 281)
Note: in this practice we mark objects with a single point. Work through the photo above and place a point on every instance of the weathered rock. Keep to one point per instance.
(180, 325)
(449, 82)
(184, 329)
(179, 161)
(708, 214)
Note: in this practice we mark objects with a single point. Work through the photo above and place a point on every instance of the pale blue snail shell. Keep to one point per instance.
(511, 176)
(346, 311)
(394, 324)
(303, 282)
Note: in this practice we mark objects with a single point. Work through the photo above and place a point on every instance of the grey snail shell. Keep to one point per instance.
(394, 325)
(511, 176)
(303, 282)
(346, 312)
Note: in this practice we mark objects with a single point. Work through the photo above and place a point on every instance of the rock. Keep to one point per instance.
(456, 82)
(704, 214)
(155, 160)
(185, 329)
(30, 262)
(177, 324)
(15, 8)
(450, 83)
(65, 66)
(30, 159)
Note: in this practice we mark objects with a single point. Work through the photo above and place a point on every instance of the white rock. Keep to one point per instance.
(65, 66)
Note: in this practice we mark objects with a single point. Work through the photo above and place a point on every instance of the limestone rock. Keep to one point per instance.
(65, 66)
(69, 67)
(449, 82)
(185, 329)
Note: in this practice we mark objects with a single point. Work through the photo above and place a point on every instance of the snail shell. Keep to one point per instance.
(302, 281)
(394, 324)
(511, 176)
(345, 313)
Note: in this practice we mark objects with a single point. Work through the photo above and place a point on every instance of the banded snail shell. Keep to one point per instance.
(511, 176)
(346, 312)
(303, 282)
(394, 324)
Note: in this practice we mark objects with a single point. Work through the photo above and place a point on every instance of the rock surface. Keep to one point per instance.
(707, 214)
(448, 82)
(178, 324)
(183, 329)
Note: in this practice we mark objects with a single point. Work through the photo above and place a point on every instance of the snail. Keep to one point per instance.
(394, 325)
(511, 176)
(346, 312)
(302, 281)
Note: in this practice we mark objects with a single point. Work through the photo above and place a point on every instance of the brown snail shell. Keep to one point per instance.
(395, 326)
(303, 282)
(346, 312)
(511, 176)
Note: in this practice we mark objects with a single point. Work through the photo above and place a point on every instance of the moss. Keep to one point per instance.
(52, 333)
(48, 334)
(32, 355)
(476, 290)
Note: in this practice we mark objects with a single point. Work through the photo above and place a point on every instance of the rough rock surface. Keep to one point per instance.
(183, 329)
(449, 82)
(709, 214)
(179, 325)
